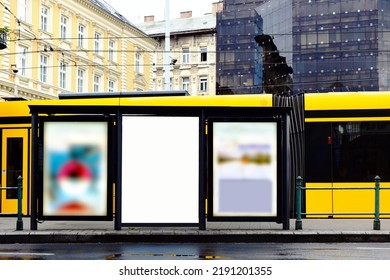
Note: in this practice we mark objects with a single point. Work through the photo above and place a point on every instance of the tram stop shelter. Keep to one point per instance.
(160, 159)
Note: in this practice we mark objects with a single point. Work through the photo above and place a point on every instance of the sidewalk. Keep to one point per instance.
(314, 230)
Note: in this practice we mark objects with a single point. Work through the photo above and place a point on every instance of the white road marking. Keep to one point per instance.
(372, 248)
(27, 254)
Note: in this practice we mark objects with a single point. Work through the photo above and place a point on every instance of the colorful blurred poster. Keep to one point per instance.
(245, 169)
(75, 169)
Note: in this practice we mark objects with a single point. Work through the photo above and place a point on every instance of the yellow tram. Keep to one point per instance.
(337, 140)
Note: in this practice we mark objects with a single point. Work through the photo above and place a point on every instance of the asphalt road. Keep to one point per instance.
(197, 251)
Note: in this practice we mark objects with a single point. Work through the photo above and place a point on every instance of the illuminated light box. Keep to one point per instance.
(244, 162)
(75, 169)
(160, 170)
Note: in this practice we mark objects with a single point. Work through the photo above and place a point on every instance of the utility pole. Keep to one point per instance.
(167, 47)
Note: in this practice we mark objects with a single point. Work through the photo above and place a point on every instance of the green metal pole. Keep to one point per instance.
(377, 222)
(19, 222)
(298, 197)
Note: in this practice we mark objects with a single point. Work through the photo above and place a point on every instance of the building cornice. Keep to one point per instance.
(24, 92)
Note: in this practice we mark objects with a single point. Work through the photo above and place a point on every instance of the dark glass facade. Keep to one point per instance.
(332, 45)
(239, 60)
(276, 46)
(335, 45)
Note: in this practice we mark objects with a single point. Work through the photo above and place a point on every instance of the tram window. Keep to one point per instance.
(14, 165)
(317, 152)
(360, 151)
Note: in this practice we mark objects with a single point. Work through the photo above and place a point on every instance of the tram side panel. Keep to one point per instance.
(344, 151)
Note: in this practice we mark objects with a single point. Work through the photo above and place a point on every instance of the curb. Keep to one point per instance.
(213, 237)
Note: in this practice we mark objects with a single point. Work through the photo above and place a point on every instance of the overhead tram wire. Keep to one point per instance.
(151, 36)
(247, 51)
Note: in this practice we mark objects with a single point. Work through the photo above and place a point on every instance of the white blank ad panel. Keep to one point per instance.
(160, 169)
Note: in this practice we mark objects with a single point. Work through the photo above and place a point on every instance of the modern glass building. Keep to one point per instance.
(239, 57)
(276, 44)
(331, 45)
(341, 45)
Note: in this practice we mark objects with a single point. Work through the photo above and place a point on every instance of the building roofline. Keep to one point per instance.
(157, 28)
(114, 14)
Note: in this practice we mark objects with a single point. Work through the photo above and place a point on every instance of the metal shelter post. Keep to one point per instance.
(286, 171)
(34, 171)
(118, 185)
(202, 171)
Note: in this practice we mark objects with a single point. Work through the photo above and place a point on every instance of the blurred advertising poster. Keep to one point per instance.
(75, 169)
(245, 168)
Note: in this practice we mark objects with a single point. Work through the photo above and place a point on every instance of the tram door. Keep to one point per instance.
(14, 163)
(318, 168)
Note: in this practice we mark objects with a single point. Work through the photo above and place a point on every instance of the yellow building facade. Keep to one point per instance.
(79, 46)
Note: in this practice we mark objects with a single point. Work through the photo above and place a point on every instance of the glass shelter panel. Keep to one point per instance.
(160, 170)
(244, 169)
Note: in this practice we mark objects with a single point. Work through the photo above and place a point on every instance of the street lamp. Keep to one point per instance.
(167, 47)
(14, 68)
